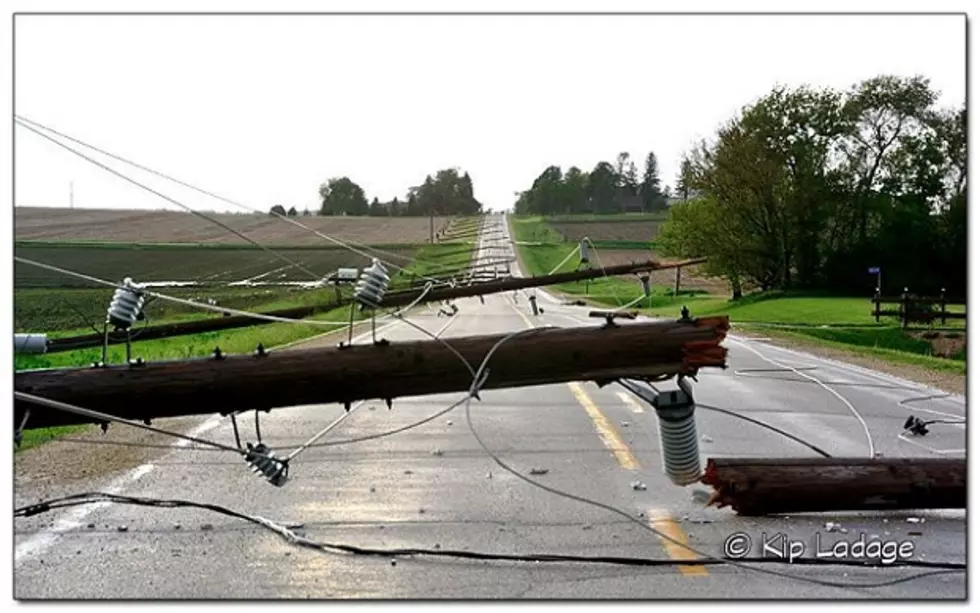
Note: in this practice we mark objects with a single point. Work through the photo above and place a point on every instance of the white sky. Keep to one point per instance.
(264, 109)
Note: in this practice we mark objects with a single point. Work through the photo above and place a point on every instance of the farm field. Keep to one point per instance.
(149, 263)
(633, 228)
(549, 247)
(145, 226)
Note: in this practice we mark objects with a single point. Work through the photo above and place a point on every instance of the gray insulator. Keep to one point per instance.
(30, 343)
(126, 305)
(372, 285)
(679, 445)
(265, 463)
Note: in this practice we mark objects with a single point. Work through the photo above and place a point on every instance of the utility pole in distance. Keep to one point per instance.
(71, 194)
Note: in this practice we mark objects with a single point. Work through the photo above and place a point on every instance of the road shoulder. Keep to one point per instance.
(946, 381)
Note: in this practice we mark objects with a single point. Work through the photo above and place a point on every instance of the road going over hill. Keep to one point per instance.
(434, 487)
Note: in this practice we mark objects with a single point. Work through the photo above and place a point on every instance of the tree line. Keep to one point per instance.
(814, 188)
(607, 188)
(447, 193)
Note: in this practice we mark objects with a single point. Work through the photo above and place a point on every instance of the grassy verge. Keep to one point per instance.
(61, 312)
(243, 340)
(889, 345)
(836, 322)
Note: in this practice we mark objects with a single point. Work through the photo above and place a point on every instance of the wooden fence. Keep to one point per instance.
(917, 309)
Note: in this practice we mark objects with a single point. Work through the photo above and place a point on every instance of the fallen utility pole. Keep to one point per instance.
(211, 324)
(394, 299)
(754, 486)
(509, 285)
(263, 381)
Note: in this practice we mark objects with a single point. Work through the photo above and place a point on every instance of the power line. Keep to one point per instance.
(172, 200)
(345, 244)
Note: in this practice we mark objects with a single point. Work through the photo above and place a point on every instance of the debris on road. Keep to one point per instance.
(449, 422)
(706, 439)
(639, 486)
(624, 424)
(122, 528)
(915, 520)
(539, 471)
(408, 471)
(437, 452)
(207, 527)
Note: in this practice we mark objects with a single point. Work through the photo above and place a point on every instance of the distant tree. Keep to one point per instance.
(306, 213)
(683, 185)
(602, 188)
(575, 191)
(448, 193)
(341, 196)
(292, 212)
(650, 187)
(376, 209)
(277, 210)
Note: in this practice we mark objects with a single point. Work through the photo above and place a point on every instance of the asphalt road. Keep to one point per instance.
(435, 487)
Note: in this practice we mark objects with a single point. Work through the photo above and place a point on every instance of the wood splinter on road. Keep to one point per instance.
(763, 486)
(154, 390)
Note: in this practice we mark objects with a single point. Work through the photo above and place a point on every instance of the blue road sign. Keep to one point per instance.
(874, 270)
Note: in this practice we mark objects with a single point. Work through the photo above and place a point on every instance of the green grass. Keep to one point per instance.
(71, 311)
(34, 438)
(243, 340)
(534, 230)
(65, 312)
(890, 345)
(776, 308)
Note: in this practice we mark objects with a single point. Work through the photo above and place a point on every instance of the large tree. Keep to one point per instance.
(341, 196)
(447, 193)
(816, 186)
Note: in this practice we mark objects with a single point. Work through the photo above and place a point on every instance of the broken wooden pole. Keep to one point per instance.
(762, 486)
(228, 383)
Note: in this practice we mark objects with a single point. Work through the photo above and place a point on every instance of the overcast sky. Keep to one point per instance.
(265, 109)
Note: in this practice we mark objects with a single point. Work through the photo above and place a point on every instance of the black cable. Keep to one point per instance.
(601, 505)
(97, 497)
(346, 244)
(765, 425)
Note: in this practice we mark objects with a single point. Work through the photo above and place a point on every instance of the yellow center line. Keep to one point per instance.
(607, 431)
(662, 521)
